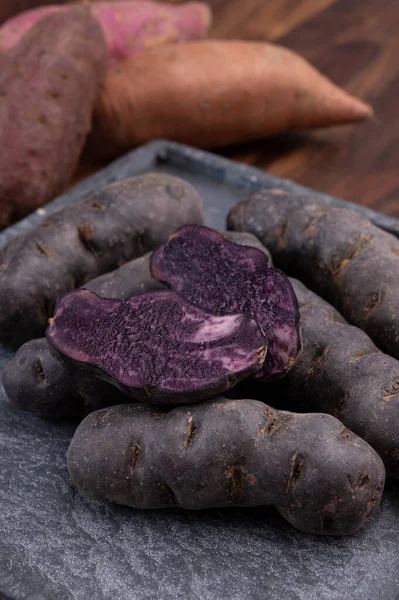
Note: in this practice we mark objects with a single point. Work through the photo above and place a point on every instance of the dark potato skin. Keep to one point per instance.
(36, 382)
(341, 372)
(84, 240)
(48, 85)
(336, 252)
(53, 390)
(321, 477)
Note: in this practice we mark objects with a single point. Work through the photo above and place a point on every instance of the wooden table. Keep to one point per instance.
(356, 44)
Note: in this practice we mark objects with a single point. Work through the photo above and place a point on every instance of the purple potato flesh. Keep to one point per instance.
(155, 347)
(225, 278)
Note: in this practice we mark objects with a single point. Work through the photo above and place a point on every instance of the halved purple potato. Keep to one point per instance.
(156, 347)
(224, 278)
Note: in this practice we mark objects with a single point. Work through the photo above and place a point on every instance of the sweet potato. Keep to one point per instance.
(321, 477)
(224, 278)
(81, 241)
(155, 347)
(129, 27)
(48, 84)
(337, 252)
(37, 382)
(341, 372)
(215, 93)
(9, 8)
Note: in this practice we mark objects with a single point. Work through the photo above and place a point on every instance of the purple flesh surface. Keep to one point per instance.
(224, 278)
(156, 347)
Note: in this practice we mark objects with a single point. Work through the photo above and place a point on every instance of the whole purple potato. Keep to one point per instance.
(336, 252)
(321, 477)
(117, 224)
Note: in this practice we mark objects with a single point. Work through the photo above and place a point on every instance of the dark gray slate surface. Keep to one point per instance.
(55, 545)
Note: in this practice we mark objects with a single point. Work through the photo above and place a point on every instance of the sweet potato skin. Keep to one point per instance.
(34, 381)
(322, 478)
(336, 252)
(116, 224)
(129, 27)
(55, 391)
(9, 8)
(195, 94)
(48, 84)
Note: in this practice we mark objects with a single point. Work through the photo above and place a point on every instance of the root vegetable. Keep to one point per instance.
(341, 372)
(215, 93)
(81, 241)
(155, 347)
(35, 381)
(48, 85)
(336, 252)
(321, 477)
(129, 27)
(57, 392)
(224, 278)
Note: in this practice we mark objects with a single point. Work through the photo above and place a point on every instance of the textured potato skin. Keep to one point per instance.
(116, 224)
(48, 84)
(341, 372)
(321, 477)
(336, 252)
(34, 381)
(53, 390)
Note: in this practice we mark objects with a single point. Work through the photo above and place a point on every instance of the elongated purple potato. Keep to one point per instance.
(225, 278)
(336, 252)
(156, 347)
(321, 477)
(118, 223)
(35, 381)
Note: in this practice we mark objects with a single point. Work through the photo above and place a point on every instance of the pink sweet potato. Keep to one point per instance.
(215, 93)
(48, 85)
(9, 8)
(129, 27)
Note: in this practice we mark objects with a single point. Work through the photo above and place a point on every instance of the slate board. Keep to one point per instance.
(55, 545)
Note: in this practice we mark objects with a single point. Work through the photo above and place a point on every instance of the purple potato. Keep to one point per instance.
(155, 347)
(321, 477)
(37, 382)
(225, 278)
(72, 246)
(336, 252)
(56, 392)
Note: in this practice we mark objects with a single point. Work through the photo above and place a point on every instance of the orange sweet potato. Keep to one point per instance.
(215, 93)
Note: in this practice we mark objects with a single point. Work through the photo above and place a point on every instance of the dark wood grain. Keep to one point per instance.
(356, 44)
